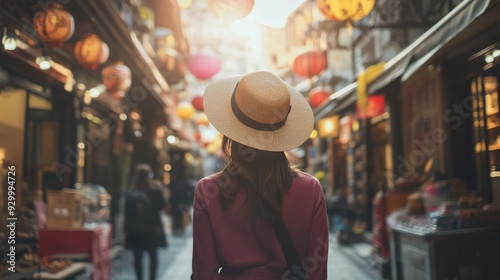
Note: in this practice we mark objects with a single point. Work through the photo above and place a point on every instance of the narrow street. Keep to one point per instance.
(345, 263)
(111, 111)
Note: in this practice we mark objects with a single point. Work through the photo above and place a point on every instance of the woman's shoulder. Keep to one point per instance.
(210, 178)
(209, 182)
(306, 183)
(306, 178)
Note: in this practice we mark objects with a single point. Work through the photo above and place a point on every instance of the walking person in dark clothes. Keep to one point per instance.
(143, 224)
(181, 198)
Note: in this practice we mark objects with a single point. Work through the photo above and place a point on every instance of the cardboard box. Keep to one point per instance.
(64, 209)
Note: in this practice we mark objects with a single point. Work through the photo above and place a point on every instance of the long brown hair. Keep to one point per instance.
(264, 175)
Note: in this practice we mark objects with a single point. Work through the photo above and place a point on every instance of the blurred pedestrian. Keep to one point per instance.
(143, 226)
(259, 218)
(181, 198)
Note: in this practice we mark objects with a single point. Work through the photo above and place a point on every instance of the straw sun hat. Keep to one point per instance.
(259, 110)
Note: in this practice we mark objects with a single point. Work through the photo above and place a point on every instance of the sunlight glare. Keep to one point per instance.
(273, 13)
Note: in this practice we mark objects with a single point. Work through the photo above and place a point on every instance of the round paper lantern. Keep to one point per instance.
(231, 10)
(346, 10)
(91, 51)
(171, 65)
(374, 107)
(317, 96)
(197, 102)
(185, 110)
(197, 136)
(204, 65)
(54, 25)
(201, 120)
(310, 63)
(117, 78)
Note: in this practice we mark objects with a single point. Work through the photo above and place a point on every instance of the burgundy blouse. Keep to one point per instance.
(229, 245)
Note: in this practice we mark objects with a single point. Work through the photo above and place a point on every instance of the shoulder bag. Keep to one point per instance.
(291, 256)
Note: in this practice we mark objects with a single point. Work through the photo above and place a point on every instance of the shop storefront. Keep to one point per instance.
(436, 148)
(344, 135)
(447, 160)
(71, 137)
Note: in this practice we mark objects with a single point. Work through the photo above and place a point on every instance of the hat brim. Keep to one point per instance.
(297, 129)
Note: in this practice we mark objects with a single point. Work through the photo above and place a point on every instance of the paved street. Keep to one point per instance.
(175, 261)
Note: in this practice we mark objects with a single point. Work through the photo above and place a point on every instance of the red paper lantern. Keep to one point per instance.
(204, 65)
(91, 51)
(231, 10)
(54, 25)
(117, 78)
(317, 96)
(197, 136)
(197, 102)
(374, 107)
(310, 63)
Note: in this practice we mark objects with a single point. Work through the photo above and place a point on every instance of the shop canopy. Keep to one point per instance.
(338, 101)
(436, 40)
(489, 12)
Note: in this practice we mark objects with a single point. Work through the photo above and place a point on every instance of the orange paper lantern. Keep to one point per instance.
(185, 110)
(91, 51)
(201, 120)
(117, 78)
(54, 25)
(310, 63)
(346, 10)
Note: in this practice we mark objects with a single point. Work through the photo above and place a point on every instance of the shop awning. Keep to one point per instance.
(489, 11)
(431, 41)
(337, 101)
(426, 46)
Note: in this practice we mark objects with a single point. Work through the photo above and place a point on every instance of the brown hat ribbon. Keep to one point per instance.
(246, 120)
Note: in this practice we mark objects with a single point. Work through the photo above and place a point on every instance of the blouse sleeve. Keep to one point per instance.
(317, 254)
(205, 263)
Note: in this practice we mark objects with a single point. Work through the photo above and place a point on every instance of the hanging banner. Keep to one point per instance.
(366, 77)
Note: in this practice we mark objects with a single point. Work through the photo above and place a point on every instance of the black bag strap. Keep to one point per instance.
(291, 256)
